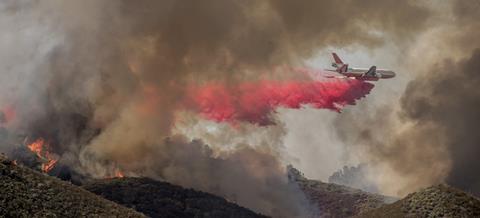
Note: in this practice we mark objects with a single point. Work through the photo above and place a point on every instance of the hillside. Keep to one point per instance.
(436, 201)
(28, 193)
(334, 200)
(161, 199)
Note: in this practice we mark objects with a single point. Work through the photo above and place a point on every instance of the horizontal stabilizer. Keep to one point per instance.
(372, 71)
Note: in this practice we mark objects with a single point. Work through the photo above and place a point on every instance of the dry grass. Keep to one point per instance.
(334, 200)
(27, 193)
(161, 199)
(435, 201)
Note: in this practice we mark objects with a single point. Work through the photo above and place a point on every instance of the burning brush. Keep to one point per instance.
(42, 149)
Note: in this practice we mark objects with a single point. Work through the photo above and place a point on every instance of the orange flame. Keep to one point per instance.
(46, 167)
(118, 174)
(40, 148)
(37, 146)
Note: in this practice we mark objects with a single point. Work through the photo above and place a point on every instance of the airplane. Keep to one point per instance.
(371, 74)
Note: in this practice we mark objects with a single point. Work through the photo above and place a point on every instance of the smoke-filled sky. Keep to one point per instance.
(207, 94)
(425, 134)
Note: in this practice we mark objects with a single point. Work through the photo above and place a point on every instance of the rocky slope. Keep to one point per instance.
(334, 200)
(161, 199)
(28, 193)
(436, 201)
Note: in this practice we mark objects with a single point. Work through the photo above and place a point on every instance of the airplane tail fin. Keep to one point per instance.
(337, 59)
(338, 63)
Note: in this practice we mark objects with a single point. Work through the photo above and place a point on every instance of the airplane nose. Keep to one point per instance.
(390, 74)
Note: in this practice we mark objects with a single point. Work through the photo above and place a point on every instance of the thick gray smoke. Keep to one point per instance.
(101, 80)
(432, 137)
(355, 177)
(449, 101)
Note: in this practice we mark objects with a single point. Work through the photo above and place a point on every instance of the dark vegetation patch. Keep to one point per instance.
(28, 193)
(334, 200)
(161, 199)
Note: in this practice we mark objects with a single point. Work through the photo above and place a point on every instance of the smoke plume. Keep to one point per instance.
(432, 137)
(449, 101)
(105, 81)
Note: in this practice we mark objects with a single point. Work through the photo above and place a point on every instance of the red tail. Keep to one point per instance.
(337, 59)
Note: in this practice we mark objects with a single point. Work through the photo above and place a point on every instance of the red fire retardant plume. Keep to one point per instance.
(254, 101)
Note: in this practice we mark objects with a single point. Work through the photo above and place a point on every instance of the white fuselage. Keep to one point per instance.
(371, 74)
(358, 72)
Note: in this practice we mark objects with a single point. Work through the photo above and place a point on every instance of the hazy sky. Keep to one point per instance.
(105, 82)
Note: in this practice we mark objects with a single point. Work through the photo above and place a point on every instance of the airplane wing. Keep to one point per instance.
(371, 72)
